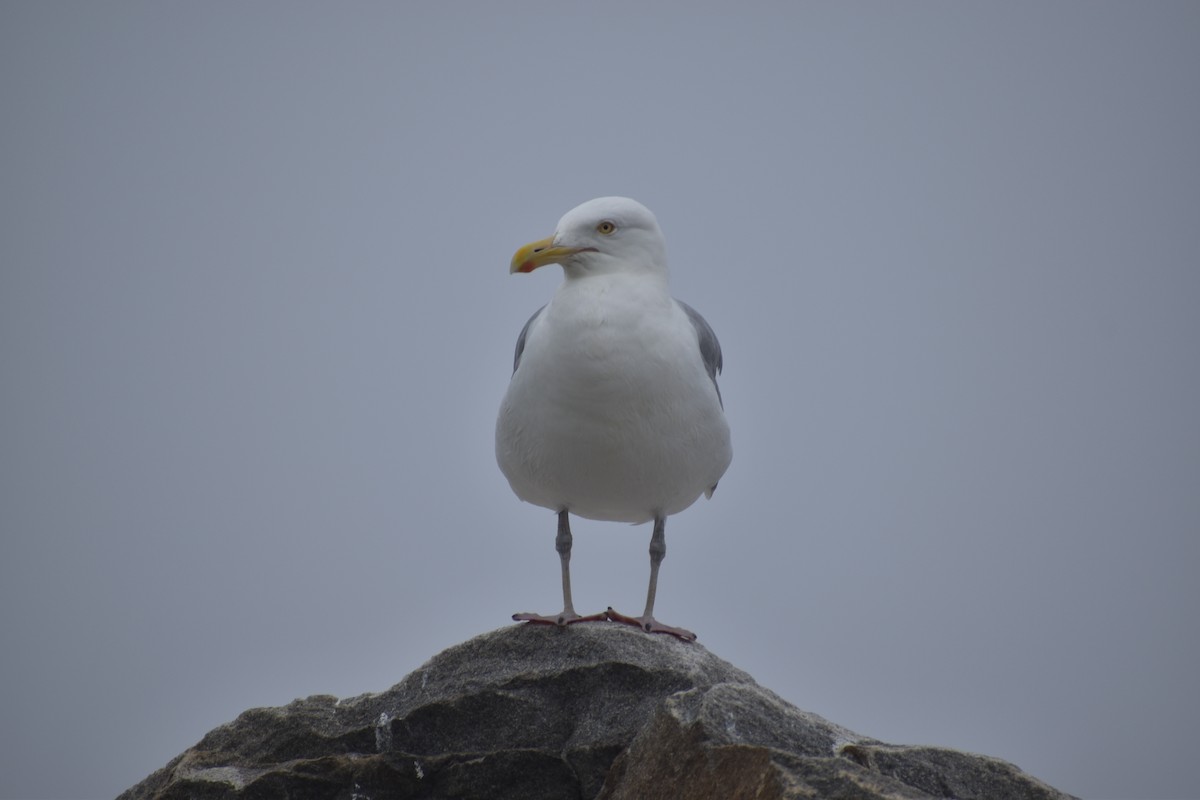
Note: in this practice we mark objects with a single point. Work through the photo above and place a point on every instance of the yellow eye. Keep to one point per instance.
(606, 227)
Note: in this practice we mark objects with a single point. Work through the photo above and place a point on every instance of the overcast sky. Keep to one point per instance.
(256, 320)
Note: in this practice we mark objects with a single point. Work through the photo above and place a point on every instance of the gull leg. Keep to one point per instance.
(562, 543)
(647, 622)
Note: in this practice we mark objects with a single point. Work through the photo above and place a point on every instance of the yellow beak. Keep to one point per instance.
(539, 254)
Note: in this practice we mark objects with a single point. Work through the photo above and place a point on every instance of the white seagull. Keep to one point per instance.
(613, 411)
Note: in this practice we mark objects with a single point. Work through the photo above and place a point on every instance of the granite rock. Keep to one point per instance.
(597, 710)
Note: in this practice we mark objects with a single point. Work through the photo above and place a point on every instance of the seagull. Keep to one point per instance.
(613, 411)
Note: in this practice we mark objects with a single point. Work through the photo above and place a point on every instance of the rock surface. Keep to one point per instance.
(598, 710)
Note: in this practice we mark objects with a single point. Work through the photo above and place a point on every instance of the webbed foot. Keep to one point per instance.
(650, 625)
(563, 618)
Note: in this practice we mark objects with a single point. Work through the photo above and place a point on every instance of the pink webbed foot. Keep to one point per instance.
(650, 625)
(562, 619)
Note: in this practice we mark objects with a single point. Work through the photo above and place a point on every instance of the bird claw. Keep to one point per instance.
(562, 619)
(647, 623)
(651, 625)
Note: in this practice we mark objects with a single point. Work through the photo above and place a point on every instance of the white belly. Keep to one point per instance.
(611, 414)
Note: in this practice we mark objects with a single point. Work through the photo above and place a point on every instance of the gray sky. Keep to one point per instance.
(256, 320)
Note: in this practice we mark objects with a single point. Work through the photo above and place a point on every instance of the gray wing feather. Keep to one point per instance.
(521, 340)
(710, 348)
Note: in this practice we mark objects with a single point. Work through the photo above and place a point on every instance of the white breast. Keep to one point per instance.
(611, 413)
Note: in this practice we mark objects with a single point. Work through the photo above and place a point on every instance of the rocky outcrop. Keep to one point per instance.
(598, 710)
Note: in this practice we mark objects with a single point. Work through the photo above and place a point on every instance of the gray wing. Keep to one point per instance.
(525, 330)
(710, 348)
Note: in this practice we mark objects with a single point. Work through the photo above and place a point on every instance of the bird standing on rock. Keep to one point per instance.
(613, 411)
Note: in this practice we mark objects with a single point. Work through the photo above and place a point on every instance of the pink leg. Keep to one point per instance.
(562, 543)
(647, 622)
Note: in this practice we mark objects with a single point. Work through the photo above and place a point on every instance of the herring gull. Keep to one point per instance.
(613, 411)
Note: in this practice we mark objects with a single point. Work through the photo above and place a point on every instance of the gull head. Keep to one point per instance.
(608, 234)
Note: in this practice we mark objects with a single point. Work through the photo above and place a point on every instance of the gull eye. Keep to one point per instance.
(606, 227)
